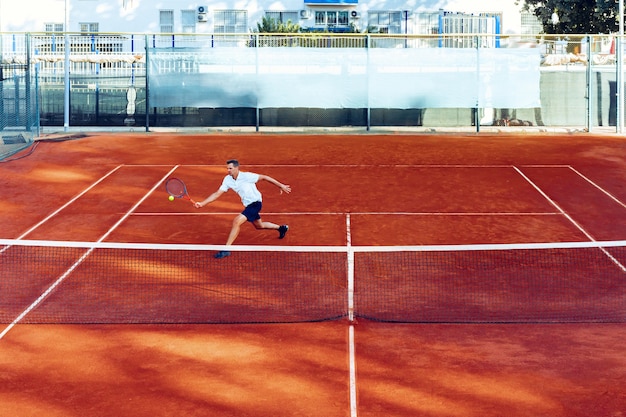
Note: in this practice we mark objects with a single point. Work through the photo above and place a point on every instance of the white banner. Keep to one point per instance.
(345, 78)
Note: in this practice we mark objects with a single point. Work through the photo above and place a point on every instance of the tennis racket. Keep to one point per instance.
(176, 188)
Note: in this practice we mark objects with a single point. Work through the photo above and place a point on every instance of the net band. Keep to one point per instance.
(345, 249)
(109, 282)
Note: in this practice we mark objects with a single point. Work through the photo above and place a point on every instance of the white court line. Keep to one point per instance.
(599, 188)
(545, 166)
(353, 403)
(568, 217)
(81, 259)
(57, 211)
(348, 166)
(555, 205)
(120, 221)
(45, 293)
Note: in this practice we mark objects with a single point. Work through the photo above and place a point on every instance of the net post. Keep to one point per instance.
(350, 262)
(350, 253)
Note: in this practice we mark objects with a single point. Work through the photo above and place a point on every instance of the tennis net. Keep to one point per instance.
(105, 282)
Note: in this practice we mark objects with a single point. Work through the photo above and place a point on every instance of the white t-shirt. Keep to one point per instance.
(244, 186)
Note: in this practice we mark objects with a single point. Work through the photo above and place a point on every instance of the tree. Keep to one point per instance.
(270, 25)
(575, 16)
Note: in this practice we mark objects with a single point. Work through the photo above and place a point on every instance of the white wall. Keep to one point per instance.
(29, 15)
(511, 20)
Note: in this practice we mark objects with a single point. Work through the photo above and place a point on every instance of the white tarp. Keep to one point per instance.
(345, 78)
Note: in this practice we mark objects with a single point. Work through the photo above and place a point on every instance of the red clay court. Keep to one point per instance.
(533, 337)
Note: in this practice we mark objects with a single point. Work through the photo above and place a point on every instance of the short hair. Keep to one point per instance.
(233, 161)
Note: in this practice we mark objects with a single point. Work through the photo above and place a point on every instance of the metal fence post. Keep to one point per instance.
(258, 113)
(147, 89)
(477, 109)
(66, 70)
(588, 84)
(620, 70)
(27, 91)
(367, 81)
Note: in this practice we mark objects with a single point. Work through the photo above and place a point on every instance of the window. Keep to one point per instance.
(188, 19)
(166, 21)
(331, 18)
(283, 17)
(463, 23)
(427, 23)
(385, 22)
(531, 24)
(89, 27)
(342, 19)
(231, 21)
(54, 27)
(52, 43)
(320, 18)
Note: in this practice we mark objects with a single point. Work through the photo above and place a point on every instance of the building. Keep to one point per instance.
(242, 16)
(110, 67)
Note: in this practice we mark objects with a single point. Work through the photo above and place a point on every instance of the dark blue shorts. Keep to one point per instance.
(252, 211)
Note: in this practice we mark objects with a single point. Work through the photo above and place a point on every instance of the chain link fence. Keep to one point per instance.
(19, 121)
(112, 82)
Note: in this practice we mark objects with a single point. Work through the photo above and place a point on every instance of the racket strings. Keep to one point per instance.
(175, 187)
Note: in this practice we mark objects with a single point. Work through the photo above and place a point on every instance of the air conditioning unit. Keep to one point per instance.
(202, 9)
(355, 14)
(305, 14)
(202, 17)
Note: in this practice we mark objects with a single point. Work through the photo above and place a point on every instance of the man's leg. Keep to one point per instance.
(260, 224)
(234, 232)
(282, 229)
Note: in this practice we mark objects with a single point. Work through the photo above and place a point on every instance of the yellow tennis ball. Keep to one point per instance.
(171, 198)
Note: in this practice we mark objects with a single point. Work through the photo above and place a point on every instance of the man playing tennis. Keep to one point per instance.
(244, 184)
